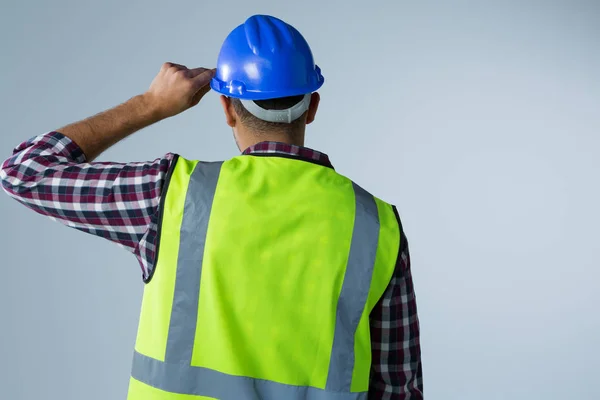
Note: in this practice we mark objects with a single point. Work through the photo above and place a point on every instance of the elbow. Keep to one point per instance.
(28, 164)
(11, 179)
(5, 173)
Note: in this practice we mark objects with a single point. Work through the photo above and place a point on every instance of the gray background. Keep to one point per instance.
(480, 120)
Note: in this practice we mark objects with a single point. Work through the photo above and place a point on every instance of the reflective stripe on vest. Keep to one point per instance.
(177, 375)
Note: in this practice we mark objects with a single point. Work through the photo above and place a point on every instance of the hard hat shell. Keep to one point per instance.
(265, 58)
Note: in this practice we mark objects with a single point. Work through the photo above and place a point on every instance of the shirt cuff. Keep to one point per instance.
(59, 145)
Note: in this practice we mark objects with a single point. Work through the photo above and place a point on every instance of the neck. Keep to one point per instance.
(250, 139)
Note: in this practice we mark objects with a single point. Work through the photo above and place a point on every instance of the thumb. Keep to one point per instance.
(199, 95)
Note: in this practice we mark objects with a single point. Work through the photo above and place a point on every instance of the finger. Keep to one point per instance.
(203, 78)
(174, 66)
(194, 72)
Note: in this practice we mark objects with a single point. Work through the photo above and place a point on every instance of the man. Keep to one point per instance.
(268, 276)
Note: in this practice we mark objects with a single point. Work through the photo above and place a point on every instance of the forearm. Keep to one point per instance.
(96, 134)
(174, 90)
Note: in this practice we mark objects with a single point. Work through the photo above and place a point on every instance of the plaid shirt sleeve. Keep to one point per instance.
(396, 372)
(116, 201)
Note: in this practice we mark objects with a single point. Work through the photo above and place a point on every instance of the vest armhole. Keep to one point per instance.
(161, 206)
(402, 241)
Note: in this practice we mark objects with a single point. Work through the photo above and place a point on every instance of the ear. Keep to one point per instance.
(315, 98)
(230, 115)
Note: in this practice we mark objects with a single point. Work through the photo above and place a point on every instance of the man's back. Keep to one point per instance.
(281, 261)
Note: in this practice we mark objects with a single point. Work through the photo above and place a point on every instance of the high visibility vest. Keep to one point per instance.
(267, 270)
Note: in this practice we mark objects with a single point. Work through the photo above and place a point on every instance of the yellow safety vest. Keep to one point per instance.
(267, 270)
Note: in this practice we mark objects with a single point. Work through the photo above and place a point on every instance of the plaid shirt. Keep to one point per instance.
(119, 202)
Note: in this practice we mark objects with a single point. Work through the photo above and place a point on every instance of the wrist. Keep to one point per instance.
(151, 106)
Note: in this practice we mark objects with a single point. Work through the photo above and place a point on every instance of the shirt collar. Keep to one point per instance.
(289, 150)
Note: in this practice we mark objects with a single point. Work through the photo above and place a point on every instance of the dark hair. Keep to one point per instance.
(259, 126)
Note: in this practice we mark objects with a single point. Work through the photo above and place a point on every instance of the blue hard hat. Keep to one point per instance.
(265, 58)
